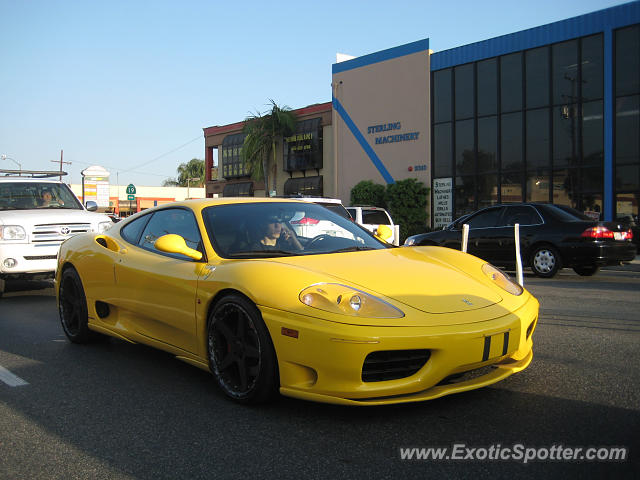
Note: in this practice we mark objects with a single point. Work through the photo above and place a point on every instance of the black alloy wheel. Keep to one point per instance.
(72, 307)
(545, 261)
(241, 355)
(586, 270)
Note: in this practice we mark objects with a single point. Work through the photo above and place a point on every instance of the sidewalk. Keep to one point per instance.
(633, 266)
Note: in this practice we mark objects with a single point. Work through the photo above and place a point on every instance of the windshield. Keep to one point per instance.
(253, 230)
(36, 195)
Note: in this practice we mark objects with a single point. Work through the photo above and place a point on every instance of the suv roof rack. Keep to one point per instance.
(32, 173)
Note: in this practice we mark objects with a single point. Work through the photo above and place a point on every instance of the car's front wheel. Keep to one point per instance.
(73, 308)
(586, 270)
(545, 261)
(241, 355)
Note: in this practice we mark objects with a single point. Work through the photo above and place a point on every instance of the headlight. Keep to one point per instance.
(12, 232)
(104, 226)
(502, 280)
(410, 241)
(336, 298)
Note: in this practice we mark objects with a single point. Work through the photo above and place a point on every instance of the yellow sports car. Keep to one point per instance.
(343, 317)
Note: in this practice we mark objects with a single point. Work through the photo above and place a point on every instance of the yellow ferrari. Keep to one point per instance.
(284, 295)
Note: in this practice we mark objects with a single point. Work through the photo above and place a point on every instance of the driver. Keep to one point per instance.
(275, 235)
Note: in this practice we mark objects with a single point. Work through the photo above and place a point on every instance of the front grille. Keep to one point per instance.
(58, 232)
(393, 364)
(40, 257)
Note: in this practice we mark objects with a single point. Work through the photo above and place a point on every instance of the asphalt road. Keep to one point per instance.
(117, 410)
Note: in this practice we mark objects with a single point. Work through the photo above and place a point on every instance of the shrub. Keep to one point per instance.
(407, 203)
(368, 193)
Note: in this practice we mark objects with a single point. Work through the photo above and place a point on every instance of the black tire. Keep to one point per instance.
(240, 351)
(72, 307)
(586, 270)
(545, 261)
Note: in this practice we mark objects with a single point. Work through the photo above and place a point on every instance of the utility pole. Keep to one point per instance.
(61, 162)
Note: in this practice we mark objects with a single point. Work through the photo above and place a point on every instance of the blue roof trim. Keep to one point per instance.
(588, 24)
(395, 52)
(362, 141)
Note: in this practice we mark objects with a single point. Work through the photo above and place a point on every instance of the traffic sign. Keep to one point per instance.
(131, 190)
(131, 197)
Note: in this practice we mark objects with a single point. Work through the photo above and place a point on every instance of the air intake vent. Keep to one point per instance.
(393, 364)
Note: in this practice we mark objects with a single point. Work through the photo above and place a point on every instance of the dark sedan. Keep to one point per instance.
(551, 237)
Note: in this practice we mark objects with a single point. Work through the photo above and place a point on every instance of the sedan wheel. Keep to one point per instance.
(72, 307)
(545, 261)
(241, 355)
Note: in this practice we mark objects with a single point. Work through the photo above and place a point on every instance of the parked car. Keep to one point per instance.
(310, 226)
(551, 237)
(325, 318)
(371, 218)
(36, 214)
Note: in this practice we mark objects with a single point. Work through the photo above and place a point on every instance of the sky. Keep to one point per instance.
(129, 85)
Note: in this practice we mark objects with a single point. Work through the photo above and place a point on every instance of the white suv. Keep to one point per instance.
(36, 215)
(371, 217)
(310, 227)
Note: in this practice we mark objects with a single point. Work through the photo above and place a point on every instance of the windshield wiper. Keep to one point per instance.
(353, 248)
(263, 253)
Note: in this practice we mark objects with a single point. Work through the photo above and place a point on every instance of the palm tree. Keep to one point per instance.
(194, 168)
(262, 132)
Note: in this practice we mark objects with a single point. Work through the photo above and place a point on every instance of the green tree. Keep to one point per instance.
(194, 168)
(407, 203)
(368, 193)
(263, 131)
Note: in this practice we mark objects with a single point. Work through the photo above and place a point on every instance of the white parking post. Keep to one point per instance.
(396, 235)
(465, 237)
(516, 229)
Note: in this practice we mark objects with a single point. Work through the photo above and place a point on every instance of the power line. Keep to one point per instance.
(163, 155)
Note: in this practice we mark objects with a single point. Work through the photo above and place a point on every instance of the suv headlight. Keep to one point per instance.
(501, 279)
(336, 298)
(104, 226)
(12, 232)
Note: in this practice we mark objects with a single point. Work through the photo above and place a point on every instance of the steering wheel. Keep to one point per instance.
(317, 240)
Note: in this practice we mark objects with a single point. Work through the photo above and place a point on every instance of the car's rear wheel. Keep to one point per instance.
(545, 261)
(241, 355)
(586, 270)
(72, 307)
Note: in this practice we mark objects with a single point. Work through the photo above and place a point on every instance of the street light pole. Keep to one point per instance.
(189, 180)
(4, 157)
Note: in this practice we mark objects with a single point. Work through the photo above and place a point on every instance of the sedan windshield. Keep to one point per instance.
(253, 230)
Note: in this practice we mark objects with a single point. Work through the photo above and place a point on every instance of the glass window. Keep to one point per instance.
(511, 187)
(627, 207)
(565, 136)
(522, 214)
(566, 187)
(488, 87)
(511, 82)
(465, 195)
(628, 177)
(131, 231)
(591, 205)
(565, 72)
(233, 165)
(592, 68)
(592, 179)
(304, 186)
(537, 186)
(375, 217)
(465, 157)
(627, 142)
(487, 144)
(592, 133)
(171, 220)
(538, 139)
(241, 189)
(303, 149)
(487, 190)
(488, 218)
(511, 141)
(537, 83)
(442, 96)
(628, 60)
(464, 88)
(442, 150)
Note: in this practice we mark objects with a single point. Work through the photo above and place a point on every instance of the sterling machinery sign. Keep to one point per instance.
(442, 202)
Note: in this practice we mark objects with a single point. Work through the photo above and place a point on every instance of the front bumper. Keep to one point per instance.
(325, 362)
(30, 258)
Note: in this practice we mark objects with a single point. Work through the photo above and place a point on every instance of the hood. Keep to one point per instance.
(416, 277)
(48, 216)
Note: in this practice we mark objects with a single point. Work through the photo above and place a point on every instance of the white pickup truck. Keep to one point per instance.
(37, 213)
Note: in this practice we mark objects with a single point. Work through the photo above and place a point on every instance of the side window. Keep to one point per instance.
(522, 214)
(131, 231)
(352, 212)
(172, 220)
(375, 217)
(488, 218)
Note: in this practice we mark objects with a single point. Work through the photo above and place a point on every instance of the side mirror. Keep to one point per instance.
(173, 243)
(91, 206)
(384, 233)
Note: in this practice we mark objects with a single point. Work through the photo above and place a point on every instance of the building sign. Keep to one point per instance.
(95, 186)
(392, 138)
(442, 202)
(303, 149)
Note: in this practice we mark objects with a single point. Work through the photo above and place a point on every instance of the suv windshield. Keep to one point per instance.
(36, 195)
(270, 229)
